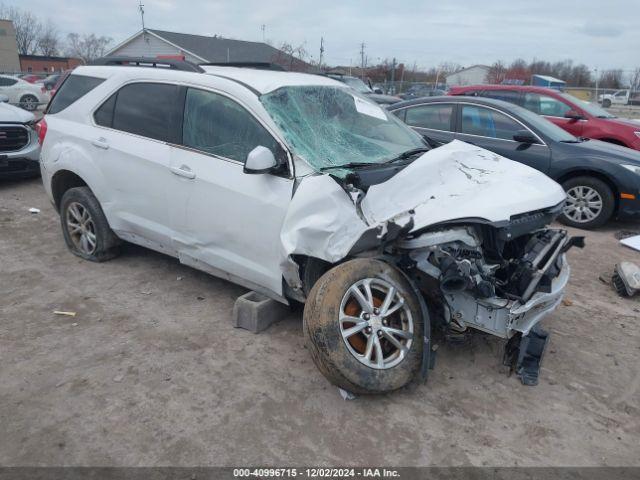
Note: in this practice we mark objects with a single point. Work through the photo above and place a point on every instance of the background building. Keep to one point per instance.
(38, 63)
(203, 49)
(9, 61)
(468, 76)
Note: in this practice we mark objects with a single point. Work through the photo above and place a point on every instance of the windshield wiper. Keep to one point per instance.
(349, 165)
(409, 154)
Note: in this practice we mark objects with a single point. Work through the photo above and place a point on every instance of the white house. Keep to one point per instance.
(468, 76)
(203, 49)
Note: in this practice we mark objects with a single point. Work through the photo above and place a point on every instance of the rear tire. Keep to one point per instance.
(351, 360)
(85, 227)
(29, 102)
(606, 103)
(590, 203)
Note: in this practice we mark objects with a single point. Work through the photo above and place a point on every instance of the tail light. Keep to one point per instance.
(41, 130)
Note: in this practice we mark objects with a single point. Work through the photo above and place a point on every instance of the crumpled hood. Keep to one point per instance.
(459, 180)
(455, 181)
(9, 113)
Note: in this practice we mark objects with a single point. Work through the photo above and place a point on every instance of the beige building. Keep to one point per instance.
(9, 60)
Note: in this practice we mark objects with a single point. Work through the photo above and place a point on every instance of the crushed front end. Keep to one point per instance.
(501, 279)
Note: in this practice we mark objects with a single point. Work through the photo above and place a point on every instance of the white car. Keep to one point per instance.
(19, 147)
(22, 93)
(298, 187)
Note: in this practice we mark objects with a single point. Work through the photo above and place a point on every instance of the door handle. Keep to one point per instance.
(183, 171)
(100, 143)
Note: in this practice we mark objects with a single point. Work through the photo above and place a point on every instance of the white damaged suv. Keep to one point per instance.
(297, 187)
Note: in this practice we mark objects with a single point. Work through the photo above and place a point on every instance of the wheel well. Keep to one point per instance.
(614, 141)
(599, 176)
(63, 181)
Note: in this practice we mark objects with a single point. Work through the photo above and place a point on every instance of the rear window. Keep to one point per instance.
(73, 88)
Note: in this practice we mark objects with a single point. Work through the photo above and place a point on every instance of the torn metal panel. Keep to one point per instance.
(456, 181)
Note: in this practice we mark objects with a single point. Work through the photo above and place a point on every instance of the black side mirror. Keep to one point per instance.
(524, 136)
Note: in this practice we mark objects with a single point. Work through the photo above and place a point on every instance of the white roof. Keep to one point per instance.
(265, 81)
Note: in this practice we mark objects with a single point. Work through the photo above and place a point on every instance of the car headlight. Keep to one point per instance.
(634, 168)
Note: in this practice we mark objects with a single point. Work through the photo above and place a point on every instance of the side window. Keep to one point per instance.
(104, 115)
(7, 82)
(217, 125)
(545, 105)
(510, 96)
(488, 123)
(435, 116)
(148, 109)
(72, 89)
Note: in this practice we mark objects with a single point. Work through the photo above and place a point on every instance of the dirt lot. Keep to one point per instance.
(151, 372)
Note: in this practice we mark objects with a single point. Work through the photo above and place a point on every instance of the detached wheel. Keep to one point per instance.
(85, 227)
(364, 328)
(590, 203)
(29, 102)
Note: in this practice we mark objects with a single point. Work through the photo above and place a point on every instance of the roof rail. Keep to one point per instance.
(254, 65)
(168, 63)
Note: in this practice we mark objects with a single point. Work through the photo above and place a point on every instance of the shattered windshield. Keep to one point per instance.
(331, 126)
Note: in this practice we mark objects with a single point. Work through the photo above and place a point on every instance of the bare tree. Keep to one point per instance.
(87, 47)
(27, 28)
(49, 40)
(635, 79)
(293, 58)
(497, 73)
(611, 79)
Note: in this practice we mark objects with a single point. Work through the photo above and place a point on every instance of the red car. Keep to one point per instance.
(580, 118)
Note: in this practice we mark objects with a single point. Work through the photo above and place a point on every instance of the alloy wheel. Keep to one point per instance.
(376, 323)
(583, 204)
(81, 228)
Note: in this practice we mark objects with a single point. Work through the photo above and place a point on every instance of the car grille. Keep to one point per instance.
(13, 138)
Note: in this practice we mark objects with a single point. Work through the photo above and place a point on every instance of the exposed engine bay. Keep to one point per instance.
(499, 287)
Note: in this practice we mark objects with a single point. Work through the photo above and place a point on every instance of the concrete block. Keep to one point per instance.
(255, 312)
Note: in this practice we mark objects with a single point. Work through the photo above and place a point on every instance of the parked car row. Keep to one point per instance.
(602, 180)
(303, 189)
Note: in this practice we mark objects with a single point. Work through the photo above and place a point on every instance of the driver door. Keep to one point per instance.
(227, 222)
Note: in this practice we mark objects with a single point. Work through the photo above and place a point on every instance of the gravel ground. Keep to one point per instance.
(151, 372)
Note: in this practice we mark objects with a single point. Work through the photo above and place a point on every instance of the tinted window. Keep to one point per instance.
(7, 82)
(218, 125)
(487, 123)
(545, 105)
(75, 87)
(104, 115)
(510, 96)
(435, 116)
(148, 109)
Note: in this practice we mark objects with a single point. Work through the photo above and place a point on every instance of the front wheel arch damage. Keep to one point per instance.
(325, 339)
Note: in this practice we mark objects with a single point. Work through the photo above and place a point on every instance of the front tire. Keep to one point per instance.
(364, 328)
(590, 203)
(606, 103)
(85, 227)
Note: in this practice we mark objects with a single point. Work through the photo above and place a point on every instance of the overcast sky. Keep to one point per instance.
(599, 33)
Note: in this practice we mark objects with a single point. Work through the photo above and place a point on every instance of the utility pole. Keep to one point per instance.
(321, 52)
(362, 45)
(596, 96)
(393, 76)
(141, 10)
(263, 27)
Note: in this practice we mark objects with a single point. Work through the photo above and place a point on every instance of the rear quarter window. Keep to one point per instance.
(71, 90)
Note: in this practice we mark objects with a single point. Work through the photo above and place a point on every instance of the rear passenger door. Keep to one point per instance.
(227, 222)
(494, 130)
(554, 110)
(139, 121)
(434, 121)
